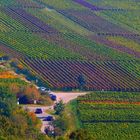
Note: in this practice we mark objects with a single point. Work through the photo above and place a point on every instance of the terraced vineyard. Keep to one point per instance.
(110, 115)
(64, 41)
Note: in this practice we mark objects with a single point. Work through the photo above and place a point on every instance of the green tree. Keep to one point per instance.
(59, 107)
(28, 95)
(81, 134)
(7, 102)
(81, 81)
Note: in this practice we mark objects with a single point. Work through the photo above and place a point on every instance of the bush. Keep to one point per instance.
(7, 102)
(28, 95)
(80, 134)
(59, 107)
(44, 100)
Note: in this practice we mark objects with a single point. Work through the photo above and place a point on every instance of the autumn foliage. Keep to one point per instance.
(32, 92)
(7, 74)
(20, 66)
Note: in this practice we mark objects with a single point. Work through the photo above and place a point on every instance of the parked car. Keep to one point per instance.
(48, 118)
(42, 88)
(38, 111)
(53, 97)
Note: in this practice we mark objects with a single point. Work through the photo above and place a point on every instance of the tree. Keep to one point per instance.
(7, 102)
(60, 123)
(59, 107)
(81, 81)
(15, 123)
(81, 134)
(14, 88)
(32, 92)
(58, 132)
(29, 94)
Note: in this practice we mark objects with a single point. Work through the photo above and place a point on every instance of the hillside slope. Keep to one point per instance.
(70, 44)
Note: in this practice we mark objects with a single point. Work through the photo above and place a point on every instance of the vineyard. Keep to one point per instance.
(110, 115)
(86, 44)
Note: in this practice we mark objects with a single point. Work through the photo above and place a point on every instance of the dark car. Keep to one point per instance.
(53, 97)
(48, 118)
(38, 111)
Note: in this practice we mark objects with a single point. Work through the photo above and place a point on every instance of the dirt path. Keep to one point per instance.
(68, 96)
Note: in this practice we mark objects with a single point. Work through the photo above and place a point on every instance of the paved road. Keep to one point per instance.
(65, 96)
(68, 96)
(41, 116)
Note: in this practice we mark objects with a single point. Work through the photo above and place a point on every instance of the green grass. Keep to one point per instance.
(8, 82)
(72, 107)
(70, 118)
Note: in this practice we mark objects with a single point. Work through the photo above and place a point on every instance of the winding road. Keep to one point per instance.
(64, 96)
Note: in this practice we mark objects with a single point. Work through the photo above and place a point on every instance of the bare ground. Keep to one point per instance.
(68, 96)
